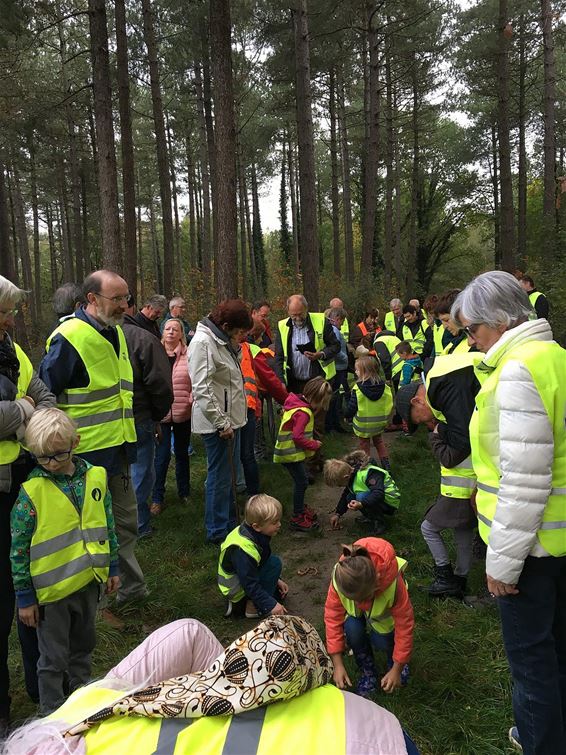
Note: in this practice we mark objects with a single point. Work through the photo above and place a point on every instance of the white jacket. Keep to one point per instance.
(520, 441)
(218, 385)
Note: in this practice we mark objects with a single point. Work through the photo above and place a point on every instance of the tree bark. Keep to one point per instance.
(37, 288)
(68, 272)
(177, 234)
(22, 236)
(161, 147)
(294, 214)
(506, 178)
(415, 184)
(107, 172)
(522, 169)
(249, 233)
(225, 143)
(192, 211)
(495, 188)
(205, 176)
(307, 177)
(549, 97)
(7, 267)
(127, 148)
(52, 251)
(257, 237)
(346, 186)
(389, 175)
(242, 222)
(210, 138)
(334, 182)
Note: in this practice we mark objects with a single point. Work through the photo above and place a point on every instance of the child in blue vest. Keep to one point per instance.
(64, 551)
(367, 488)
(248, 572)
(369, 406)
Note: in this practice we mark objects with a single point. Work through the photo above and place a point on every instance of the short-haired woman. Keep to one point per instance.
(518, 444)
(219, 407)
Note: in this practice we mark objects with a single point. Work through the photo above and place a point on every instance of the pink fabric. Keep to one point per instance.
(378, 442)
(298, 422)
(182, 388)
(371, 729)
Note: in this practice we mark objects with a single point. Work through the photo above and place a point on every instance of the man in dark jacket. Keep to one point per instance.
(538, 300)
(153, 396)
(152, 311)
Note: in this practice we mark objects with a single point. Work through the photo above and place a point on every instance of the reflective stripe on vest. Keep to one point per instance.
(418, 340)
(546, 363)
(438, 332)
(318, 728)
(229, 582)
(317, 322)
(392, 495)
(391, 342)
(103, 409)
(372, 416)
(249, 351)
(68, 550)
(285, 450)
(345, 330)
(10, 449)
(379, 616)
(389, 322)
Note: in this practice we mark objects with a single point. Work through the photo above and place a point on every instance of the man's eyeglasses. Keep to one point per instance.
(470, 330)
(59, 457)
(115, 299)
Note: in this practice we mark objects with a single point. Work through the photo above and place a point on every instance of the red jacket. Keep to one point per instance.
(269, 381)
(298, 422)
(382, 554)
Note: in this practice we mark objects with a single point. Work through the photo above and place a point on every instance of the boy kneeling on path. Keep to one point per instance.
(64, 548)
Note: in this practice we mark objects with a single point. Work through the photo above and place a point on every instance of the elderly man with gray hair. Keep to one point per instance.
(394, 317)
(153, 310)
(177, 309)
(67, 299)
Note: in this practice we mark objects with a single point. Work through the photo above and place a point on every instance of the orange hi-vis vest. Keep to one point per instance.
(363, 327)
(249, 351)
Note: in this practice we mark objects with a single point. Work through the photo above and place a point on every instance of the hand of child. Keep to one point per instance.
(318, 444)
(29, 400)
(29, 615)
(355, 505)
(112, 585)
(283, 587)
(335, 522)
(341, 678)
(278, 610)
(392, 679)
(227, 433)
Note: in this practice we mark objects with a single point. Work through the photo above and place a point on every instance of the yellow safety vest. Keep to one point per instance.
(314, 722)
(10, 449)
(317, 322)
(546, 362)
(102, 409)
(418, 340)
(229, 582)
(359, 485)
(533, 297)
(437, 335)
(459, 481)
(68, 550)
(389, 322)
(379, 616)
(285, 450)
(461, 348)
(391, 343)
(372, 416)
(345, 330)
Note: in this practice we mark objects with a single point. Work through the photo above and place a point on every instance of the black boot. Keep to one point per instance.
(445, 584)
(462, 582)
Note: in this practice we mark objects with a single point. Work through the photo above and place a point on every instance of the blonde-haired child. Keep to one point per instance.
(248, 573)
(64, 549)
(370, 406)
(295, 443)
(367, 488)
(368, 604)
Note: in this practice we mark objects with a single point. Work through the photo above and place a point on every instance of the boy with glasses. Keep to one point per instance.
(64, 550)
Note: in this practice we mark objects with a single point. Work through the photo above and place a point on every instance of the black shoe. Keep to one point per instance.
(445, 584)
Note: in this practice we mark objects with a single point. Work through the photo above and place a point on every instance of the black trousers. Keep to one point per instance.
(26, 635)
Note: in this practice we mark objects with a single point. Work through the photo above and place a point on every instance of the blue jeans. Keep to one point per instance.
(298, 472)
(247, 439)
(533, 623)
(182, 434)
(143, 472)
(220, 506)
(270, 573)
(360, 637)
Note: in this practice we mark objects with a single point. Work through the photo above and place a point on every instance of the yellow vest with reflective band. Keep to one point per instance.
(533, 297)
(314, 723)
(459, 481)
(418, 340)
(461, 348)
(389, 322)
(391, 493)
(391, 343)
(102, 409)
(285, 450)
(249, 351)
(372, 416)
(345, 330)
(10, 449)
(379, 616)
(68, 550)
(229, 582)
(317, 323)
(546, 362)
(437, 335)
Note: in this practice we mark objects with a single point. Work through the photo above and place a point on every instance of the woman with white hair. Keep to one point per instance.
(518, 441)
(21, 393)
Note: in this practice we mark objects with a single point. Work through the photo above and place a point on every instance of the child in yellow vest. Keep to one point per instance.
(64, 550)
(370, 406)
(295, 443)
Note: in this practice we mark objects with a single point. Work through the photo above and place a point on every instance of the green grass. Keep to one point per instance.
(458, 699)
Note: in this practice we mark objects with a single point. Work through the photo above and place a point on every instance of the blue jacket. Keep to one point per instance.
(236, 560)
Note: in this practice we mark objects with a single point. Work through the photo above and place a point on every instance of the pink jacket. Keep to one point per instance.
(182, 388)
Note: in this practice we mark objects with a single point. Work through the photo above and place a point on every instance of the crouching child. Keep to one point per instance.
(249, 575)
(64, 550)
(368, 489)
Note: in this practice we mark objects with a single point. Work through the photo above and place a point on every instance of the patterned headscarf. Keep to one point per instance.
(280, 658)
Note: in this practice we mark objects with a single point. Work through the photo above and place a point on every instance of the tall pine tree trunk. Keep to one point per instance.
(257, 237)
(106, 157)
(242, 223)
(205, 175)
(522, 178)
(192, 209)
(549, 97)
(177, 227)
(389, 175)
(37, 287)
(346, 186)
(161, 146)
(294, 213)
(7, 267)
(415, 184)
(495, 193)
(127, 148)
(307, 177)
(22, 236)
(334, 169)
(52, 250)
(210, 129)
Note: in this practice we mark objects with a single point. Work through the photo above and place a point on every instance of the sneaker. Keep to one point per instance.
(515, 739)
(302, 523)
(310, 513)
